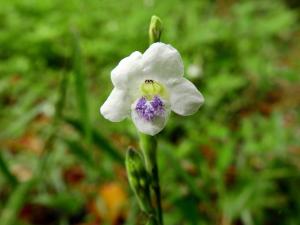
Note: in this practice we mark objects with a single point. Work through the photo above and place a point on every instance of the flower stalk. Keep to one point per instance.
(148, 145)
(142, 171)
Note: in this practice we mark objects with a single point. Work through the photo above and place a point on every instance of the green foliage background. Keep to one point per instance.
(234, 162)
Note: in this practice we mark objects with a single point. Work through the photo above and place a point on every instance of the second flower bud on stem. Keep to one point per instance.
(139, 180)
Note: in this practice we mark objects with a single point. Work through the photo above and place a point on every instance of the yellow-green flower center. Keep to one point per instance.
(152, 88)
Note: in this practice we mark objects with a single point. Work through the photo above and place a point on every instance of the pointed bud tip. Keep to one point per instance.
(132, 154)
(133, 161)
(155, 29)
(156, 20)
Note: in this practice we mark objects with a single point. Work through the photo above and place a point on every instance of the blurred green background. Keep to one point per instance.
(235, 162)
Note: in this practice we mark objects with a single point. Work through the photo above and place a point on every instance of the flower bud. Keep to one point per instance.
(155, 29)
(138, 179)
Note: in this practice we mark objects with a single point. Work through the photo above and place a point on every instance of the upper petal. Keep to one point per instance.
(127, 71)
(162, 61)
(184, 97)
(117, 106)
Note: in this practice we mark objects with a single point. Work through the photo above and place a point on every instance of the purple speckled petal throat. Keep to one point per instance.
(149, 110)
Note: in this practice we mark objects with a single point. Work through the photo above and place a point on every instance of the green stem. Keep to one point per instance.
(156, 188)
(148, 145)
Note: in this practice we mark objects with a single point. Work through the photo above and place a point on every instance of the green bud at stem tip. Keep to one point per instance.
(155, 29)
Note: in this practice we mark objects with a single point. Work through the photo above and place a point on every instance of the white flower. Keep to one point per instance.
(148, 86)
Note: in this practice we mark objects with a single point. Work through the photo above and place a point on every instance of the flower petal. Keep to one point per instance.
(129, 69)
(117, 106)
(161, 62)
(185, 98)
(150, 127)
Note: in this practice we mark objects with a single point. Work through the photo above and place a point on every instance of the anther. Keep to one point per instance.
(149, 81)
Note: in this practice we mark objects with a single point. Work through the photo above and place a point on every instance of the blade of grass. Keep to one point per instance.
(57, 117)
(80, 88)
(16, 122)
(15, 203)
(18, 197)
(182, 174)
(17, 126)
(6, 172)
(67, 202)
(78, 150)
(133, 212)
(98, 140)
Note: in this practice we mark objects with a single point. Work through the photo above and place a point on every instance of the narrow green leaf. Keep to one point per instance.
(15, 203)
(78, 150)
(98, 140)
(182, 174)
(68, 203)
(60, 104)
(18, 126)
(6, 172)
(80, 88)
